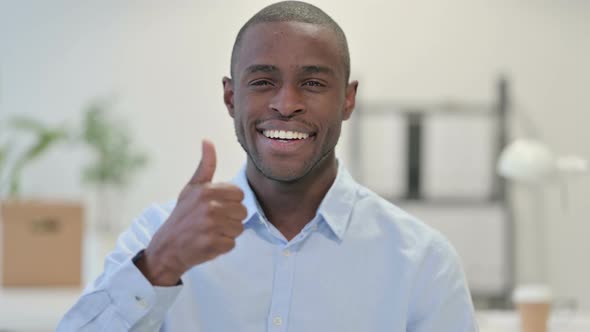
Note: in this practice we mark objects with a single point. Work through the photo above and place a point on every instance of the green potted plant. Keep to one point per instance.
(52, 225)
(115, 160)
(45, 137)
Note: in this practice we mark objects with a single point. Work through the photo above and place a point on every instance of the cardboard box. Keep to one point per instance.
(41, 243)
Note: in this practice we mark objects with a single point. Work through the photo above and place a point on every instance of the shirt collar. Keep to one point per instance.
(249, 200)
(335, 209)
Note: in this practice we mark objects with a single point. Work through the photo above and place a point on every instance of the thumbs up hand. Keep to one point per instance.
(203, 225)
(206, 169)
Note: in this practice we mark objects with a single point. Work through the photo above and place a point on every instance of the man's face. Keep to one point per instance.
(289, 97)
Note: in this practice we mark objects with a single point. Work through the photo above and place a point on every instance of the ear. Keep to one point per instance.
(228, 95)
(350, 99)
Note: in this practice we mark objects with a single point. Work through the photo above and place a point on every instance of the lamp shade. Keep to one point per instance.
(526, 161)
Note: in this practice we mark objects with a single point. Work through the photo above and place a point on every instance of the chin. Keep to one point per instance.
(282, 173)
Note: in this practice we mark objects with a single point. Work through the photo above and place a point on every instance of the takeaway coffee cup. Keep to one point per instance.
(533, 303)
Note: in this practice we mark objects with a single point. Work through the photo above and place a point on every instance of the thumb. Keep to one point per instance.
(206, 169)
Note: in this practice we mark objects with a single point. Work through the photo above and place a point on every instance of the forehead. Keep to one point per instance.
(289, 45)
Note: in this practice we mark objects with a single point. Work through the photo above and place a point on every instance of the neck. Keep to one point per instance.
(289, 206)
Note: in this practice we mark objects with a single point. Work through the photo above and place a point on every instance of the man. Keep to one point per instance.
(293, 243)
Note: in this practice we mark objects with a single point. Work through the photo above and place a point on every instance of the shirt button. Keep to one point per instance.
(286, 253)
(277, 321)
(141, 302)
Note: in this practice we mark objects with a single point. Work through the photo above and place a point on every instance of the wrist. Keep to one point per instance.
(156, 269)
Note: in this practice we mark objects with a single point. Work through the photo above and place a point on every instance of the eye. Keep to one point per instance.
(259, 83)
(314, 84)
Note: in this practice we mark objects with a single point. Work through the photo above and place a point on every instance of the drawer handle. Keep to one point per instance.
(45, 226)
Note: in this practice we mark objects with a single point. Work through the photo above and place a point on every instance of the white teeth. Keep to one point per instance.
(282, 134)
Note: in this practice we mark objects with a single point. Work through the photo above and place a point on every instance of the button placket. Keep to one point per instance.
(282, 288)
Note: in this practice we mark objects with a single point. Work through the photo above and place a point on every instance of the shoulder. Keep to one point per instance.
(398, 226)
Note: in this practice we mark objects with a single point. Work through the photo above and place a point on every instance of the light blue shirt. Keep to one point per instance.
(360, 265)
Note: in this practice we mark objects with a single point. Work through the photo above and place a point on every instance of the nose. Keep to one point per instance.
(287, 101)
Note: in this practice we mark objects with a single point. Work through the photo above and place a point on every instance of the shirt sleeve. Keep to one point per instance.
(440, 299)
(122, 299)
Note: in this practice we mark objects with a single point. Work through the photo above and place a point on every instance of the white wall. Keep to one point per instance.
(165, 60)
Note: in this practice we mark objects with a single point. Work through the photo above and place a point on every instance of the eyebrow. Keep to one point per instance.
(312, 69)
(317, 70)
(260, 68)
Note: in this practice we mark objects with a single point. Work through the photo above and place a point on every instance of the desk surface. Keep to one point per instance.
(507, 321)
(39, 310)
(34, 309)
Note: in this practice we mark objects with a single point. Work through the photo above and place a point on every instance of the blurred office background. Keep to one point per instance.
(160, 65)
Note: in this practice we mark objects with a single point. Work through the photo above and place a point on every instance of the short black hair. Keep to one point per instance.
(294, 11)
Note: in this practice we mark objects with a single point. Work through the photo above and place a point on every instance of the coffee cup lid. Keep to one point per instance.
(532, 294)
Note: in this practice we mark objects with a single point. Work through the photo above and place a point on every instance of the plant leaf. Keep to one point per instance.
(116, 160)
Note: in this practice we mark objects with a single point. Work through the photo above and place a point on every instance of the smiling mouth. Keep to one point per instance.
(285, 135)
